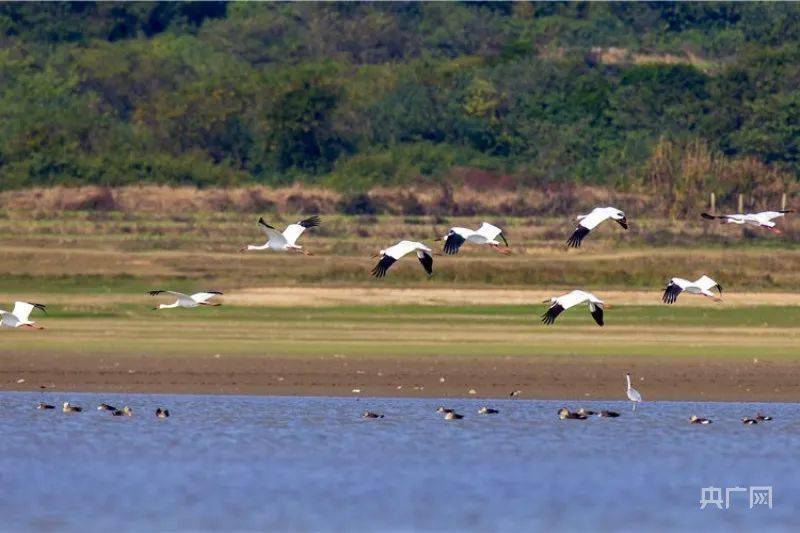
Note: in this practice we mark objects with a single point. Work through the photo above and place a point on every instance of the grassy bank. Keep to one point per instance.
(368, 330)
(110, 252)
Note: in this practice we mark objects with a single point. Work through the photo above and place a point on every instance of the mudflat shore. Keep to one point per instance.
(581, 378)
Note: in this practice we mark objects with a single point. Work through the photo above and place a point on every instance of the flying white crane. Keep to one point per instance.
(588, 222)
(764, 219)
(286, 241)
(561, 303)
(390, 255)
(19, 316)
(701, 286)
(486, 234)
(185, 300)
(633, 394)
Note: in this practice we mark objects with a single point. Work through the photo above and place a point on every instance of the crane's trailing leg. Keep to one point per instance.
(500, 249)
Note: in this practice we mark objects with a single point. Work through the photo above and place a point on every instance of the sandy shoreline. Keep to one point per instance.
(565, 377)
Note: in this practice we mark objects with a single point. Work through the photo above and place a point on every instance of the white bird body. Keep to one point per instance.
(763, 219)
(702, 286)
(390, 255)
(588, 222)
(286, 241)
(19, 316)
(186, 300)
(487, 234)
(633, 394)
(559, 304)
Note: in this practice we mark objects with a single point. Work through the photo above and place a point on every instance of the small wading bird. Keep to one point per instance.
(608, 414)
(162, 413)
(125, 411)
(390, 255)
(370, 414)
(697, 420)
(762, 418)
(588, 222)
(561, 303)
(185, 300)
(106, 407)
(43, 405)
(19, 316)
(486, 234)
(633, 394)
(444, 410)
(286, 241)
(749, 421)
(487, 411)
(452, 415)
(764, 219)
(701, 286)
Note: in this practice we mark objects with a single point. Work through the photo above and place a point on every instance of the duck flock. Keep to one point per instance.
(486, 235)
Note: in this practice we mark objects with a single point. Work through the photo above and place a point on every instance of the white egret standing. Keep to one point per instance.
(19, 316)
(286, 241)
(701, 286)
(559, 304)
(633, 394)
(487, 234)
(588, 222)
(185, 300)
(764, 219)
(390, 255)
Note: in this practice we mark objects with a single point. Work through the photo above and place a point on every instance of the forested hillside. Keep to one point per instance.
(356, 95)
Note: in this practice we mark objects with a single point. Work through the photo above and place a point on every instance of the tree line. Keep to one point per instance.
(358, 95)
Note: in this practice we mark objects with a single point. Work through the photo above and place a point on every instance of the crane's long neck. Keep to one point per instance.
(628, 378)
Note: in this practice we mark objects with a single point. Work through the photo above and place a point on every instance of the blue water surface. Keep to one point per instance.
(313, 464)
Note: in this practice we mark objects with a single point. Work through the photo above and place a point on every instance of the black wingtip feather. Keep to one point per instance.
(452, 243)
(310, 222)
(427, 263)
(383, 265)
(154, 293)
(577, 236)
(597, 314)
(549, 317)
(504, 239)
(671, 293)
(261, 221)
(707, 216)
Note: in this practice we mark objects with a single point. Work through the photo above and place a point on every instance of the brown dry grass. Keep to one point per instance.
(468, 200)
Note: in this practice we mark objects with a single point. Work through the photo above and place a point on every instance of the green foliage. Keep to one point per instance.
(354, 95)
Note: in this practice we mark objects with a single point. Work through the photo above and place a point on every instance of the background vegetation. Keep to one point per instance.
(672, 97)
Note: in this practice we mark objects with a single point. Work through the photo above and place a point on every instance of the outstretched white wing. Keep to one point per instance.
(201, 297)
(593, 219)
(274, 237)
(706, 283)
(489, 231)
(22, 310)
(179, 295)
(404, 247)
(572, 299)
(293, 231)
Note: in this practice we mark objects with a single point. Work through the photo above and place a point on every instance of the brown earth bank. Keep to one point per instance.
(569, 378)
